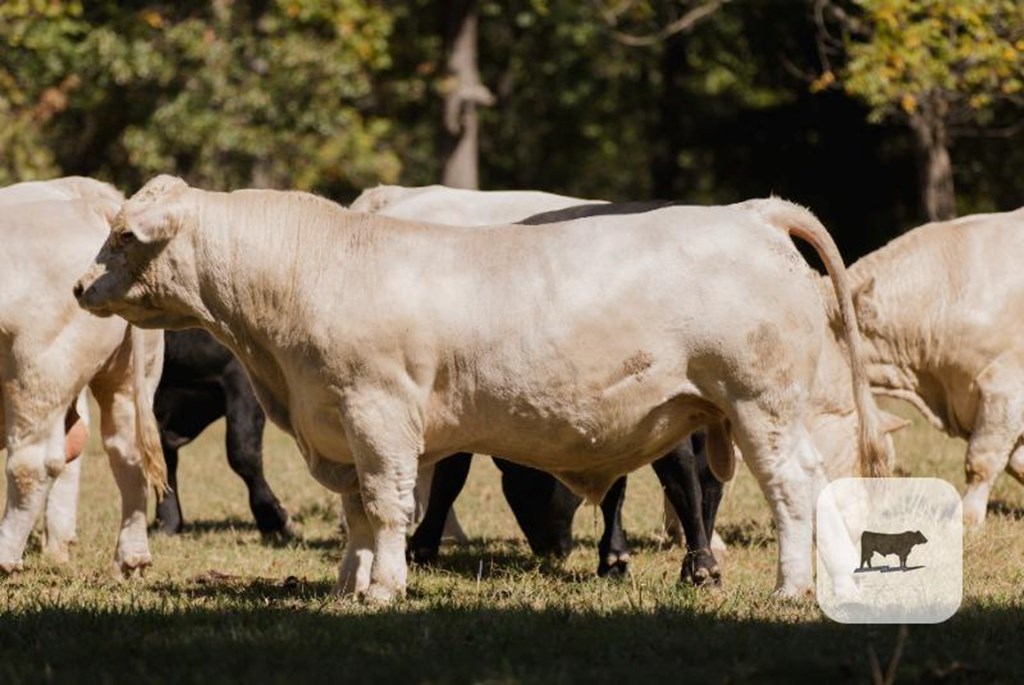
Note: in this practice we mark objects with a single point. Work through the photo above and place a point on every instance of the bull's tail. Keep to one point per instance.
(146, 364)
(876, 458)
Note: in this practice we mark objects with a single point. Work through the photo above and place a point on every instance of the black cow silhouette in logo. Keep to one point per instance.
(885, 544)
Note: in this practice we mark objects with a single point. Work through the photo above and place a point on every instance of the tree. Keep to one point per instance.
(228, 94)
(463, 93)
(941, 66)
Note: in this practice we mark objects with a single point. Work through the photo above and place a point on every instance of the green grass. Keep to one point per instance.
(221, 605)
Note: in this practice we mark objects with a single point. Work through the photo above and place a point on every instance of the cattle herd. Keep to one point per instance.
(573, 340)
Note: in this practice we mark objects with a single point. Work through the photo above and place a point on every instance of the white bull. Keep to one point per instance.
(585, 349)
(50, 351)
(939, 309)
(460, 207)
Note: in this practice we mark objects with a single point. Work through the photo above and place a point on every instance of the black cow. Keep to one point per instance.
(544, 509)
(885, 544)
(201, 382)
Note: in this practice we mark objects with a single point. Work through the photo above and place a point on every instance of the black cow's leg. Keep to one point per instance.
(613, 551)
(679, 477)
(168, 510)
(245, 422)
(542, 505)
(449, 478)
(181, 415)
(711, 489)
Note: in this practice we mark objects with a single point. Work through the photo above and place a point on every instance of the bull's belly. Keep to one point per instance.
(587, 451)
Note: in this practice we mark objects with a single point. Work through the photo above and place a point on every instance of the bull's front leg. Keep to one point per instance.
(996, 432)
(121, 443)
(357, 561)
(386, 442)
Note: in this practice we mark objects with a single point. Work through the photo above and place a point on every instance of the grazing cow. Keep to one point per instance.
(50, 350)
(938, 309)
(885, 544)
(543, 507)
(380, 344)
(201, 382)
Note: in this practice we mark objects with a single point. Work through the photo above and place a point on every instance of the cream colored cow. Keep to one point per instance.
(460, 207)
(585, 349)
(457, 207)
(50, 351)
(939, 309)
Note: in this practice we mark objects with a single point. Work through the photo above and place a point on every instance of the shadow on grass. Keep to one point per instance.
(484, 558)
(221, 586)
(1000, 508)
(205, 526)
(310, 644)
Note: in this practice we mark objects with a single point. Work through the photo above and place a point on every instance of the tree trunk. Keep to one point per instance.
(938, 197)
(463, 92)
(667, 132)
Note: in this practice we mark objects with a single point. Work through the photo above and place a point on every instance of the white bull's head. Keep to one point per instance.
(145, 271)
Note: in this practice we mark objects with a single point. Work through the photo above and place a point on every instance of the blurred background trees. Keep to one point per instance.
(869, 111)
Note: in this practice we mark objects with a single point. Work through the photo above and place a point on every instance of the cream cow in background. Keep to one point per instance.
(381, 344)
(941, 310)
(50, 350)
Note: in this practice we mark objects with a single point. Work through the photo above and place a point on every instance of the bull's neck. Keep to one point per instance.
(250, 297)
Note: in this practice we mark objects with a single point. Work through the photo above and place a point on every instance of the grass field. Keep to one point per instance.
(220, 605)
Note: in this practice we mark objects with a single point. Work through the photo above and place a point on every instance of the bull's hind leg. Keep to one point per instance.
(785, 464)
(62, 501)
(996, 432)
(62, 513)
(114, 393)
(386, 442)
(33, 461)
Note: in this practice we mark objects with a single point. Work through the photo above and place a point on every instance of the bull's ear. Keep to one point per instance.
(154, 224)
(155, 213)
(890, 423)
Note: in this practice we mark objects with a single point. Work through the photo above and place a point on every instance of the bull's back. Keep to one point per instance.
(43, 246)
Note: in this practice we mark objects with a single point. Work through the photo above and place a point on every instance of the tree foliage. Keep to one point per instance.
(697, 100)
(225, 93)
(949, 58)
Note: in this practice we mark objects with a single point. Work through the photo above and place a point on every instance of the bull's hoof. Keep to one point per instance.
(9, 567)
(133, 565)
(794, 592)
(614, 566)
(57, 552)
(700, 569)
(380, 594)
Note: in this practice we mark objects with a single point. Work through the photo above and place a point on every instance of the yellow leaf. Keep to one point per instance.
(822, 82)
(909, 103)
(153, 18)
